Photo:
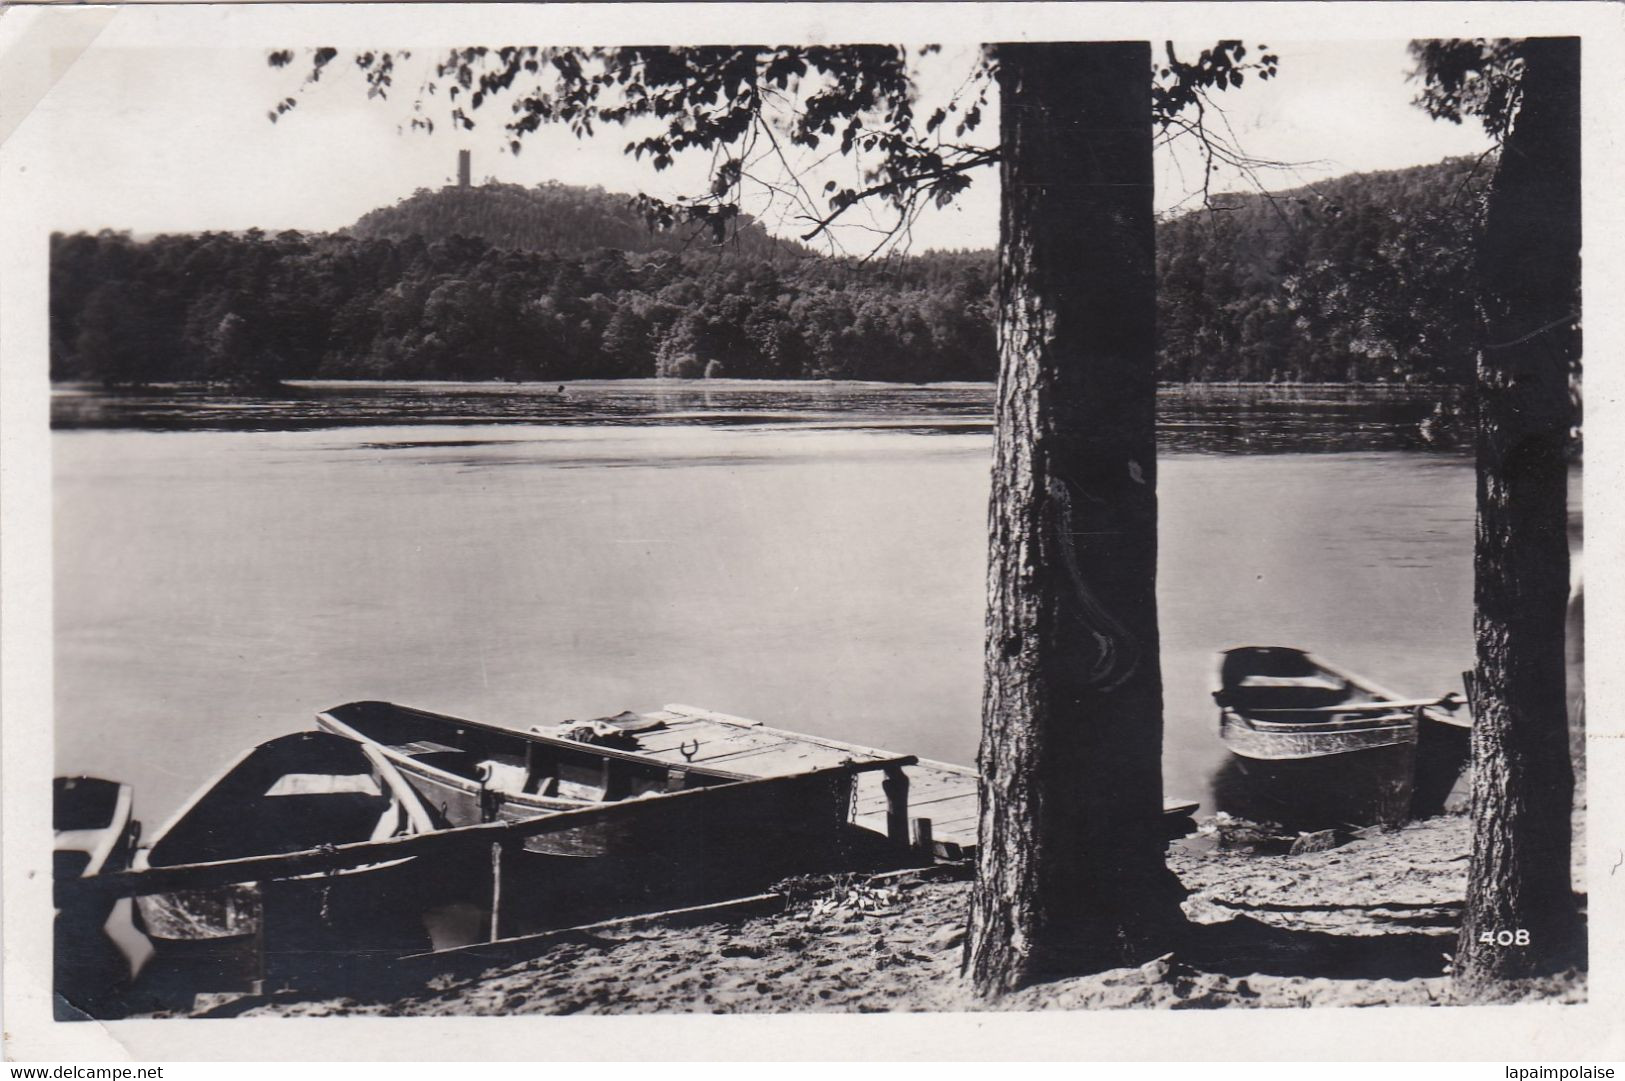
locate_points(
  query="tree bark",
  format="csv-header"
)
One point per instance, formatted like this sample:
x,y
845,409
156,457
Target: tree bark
x,y
1521,919
1071,874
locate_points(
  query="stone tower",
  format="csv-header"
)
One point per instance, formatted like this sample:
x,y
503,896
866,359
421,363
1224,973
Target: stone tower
x,y
465,167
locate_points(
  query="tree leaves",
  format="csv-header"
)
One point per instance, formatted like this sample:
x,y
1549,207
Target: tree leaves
x,y
1476,77
749,104
1177,86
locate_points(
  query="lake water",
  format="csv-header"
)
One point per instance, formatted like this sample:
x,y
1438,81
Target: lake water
x,y
808,555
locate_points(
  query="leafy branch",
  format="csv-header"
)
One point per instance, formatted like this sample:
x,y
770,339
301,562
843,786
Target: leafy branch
x,y
751,105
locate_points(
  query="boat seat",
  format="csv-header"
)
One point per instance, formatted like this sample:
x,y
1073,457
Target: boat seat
x,y
1287,692
463,763
389,823
1292,681
426,746
504,776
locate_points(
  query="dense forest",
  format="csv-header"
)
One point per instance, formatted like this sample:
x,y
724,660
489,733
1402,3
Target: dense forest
x,y
1363,278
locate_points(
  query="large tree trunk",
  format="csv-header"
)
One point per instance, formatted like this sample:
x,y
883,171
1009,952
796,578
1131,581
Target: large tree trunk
x,y
1070,867
1521,918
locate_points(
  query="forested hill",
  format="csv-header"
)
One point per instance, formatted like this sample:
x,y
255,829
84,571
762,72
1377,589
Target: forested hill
x,y
1364,278
554,217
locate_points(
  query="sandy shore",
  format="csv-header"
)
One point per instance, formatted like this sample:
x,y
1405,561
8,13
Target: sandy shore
x,y
1369,922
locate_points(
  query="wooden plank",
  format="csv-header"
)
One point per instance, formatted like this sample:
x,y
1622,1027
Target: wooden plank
x,y
932,765
923,792
746,760
670,737
947,826
698,720
424,746
741,760
839,745
715,749
874,806
942,782
789,752
709,750
703,749
937,783
784,761
726,755
868,803
951,816
712,715
927,789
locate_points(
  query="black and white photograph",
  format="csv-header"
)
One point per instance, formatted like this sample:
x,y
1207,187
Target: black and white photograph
x,y
1064,510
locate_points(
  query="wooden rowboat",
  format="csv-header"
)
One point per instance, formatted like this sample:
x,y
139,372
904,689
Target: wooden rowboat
x,y
1318,745
95,834
94,830
297,793
470,772
647,851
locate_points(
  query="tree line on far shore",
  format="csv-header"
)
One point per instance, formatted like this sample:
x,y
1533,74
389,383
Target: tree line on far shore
x,y
1361,279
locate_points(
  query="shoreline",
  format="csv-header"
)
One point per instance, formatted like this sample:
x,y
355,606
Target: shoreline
x,y
82,386
1367,923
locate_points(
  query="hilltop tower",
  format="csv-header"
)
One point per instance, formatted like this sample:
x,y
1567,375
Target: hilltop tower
x,y
465,167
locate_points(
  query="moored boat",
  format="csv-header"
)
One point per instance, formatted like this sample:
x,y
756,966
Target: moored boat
x,y
470,772
643,851
93,827
95,834
297,793
1318,745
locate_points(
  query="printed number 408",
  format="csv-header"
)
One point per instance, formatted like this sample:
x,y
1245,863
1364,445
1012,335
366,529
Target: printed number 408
x,y
1520,937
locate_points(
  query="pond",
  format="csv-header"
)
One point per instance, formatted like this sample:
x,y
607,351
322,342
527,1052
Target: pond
x,y
811,556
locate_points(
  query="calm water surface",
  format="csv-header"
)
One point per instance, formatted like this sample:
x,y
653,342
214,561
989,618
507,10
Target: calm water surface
x,y
809,556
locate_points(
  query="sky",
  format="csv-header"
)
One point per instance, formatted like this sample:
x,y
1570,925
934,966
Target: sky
x,y
168,132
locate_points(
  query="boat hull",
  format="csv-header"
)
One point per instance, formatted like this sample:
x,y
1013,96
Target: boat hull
x,y
1313,745
311,931
628,835
652,853
94,834
1443,750
468,773
293,794
643,851
1321,780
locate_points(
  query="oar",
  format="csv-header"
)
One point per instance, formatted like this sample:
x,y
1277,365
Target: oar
x,y
1450,701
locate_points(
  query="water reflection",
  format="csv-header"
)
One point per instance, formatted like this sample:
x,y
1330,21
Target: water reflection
x,y
1214,419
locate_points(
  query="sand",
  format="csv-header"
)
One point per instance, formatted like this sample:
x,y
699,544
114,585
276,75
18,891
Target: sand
x,y
1369,922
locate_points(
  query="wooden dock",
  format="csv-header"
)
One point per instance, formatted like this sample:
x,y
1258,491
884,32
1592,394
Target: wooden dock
x,y
941,796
